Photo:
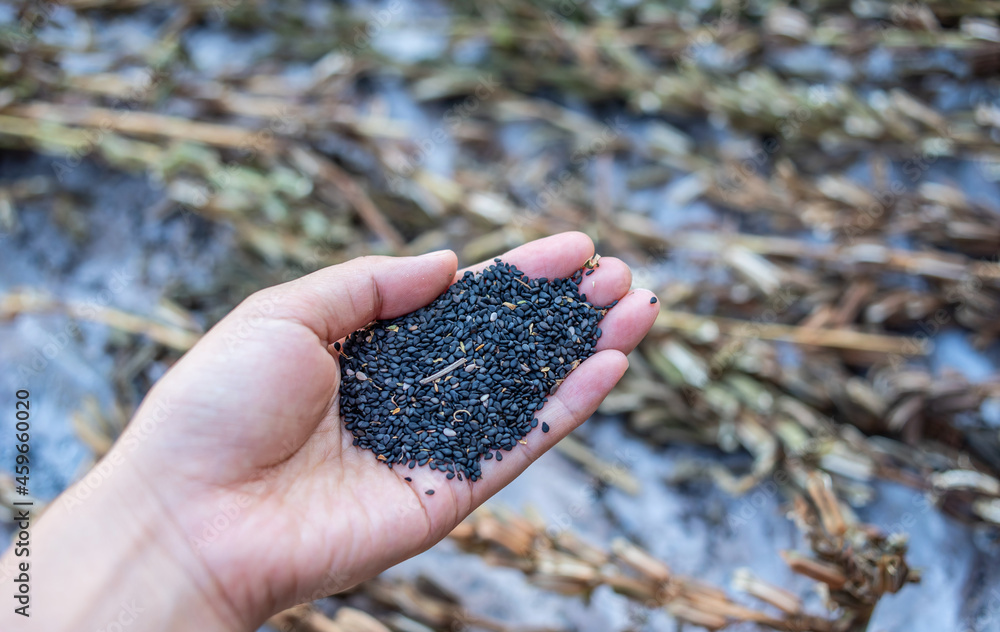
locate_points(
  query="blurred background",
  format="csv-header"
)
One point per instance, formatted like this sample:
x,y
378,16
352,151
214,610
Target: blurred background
x,y
809,439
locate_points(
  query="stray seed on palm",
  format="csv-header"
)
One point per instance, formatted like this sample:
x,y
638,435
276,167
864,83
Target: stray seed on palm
x,y
429,492
545,427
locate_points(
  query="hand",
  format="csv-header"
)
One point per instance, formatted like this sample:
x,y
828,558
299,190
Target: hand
x,y
259,499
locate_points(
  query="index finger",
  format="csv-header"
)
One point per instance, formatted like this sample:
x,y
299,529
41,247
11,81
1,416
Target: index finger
x,y
550,257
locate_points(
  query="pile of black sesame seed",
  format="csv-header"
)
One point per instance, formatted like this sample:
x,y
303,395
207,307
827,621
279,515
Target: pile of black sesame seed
x,y
461,379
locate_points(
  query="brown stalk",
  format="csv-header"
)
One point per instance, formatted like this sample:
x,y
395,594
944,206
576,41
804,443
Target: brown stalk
x,y
320,167
143,124
30,302
669,320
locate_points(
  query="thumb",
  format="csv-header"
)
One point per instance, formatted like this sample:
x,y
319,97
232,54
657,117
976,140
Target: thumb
x,y
339,299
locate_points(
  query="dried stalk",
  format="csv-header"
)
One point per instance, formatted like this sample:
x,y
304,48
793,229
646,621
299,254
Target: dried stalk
x,y
858,574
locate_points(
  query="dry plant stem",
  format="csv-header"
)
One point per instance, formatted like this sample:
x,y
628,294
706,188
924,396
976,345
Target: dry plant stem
x,y
934,265
835,338
142,124
320,167
857,565
563,563
306,619
422,602
616,474
445,371
24,302
811,420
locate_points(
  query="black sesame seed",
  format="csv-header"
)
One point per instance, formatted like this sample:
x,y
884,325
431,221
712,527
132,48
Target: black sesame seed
x,y
652,300
429,492
336,346
545,427
408,479
463,378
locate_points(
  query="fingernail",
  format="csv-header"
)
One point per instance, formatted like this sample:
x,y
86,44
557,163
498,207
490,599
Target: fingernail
x,y
436,253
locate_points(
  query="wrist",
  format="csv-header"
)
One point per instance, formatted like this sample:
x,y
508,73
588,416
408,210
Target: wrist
x,y
107,555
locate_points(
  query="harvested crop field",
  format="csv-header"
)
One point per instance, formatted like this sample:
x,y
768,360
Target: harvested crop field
x,y
808,439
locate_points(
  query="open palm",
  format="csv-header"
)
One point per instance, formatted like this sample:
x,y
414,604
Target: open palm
x,y
265,485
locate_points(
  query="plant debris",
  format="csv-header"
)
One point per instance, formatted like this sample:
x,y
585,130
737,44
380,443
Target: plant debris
x,y
840,162
855,564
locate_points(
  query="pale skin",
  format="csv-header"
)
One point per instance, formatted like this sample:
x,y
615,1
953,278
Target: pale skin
x,y
235,492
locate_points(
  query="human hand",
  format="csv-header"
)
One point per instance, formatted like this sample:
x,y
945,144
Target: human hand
x,y
244,475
